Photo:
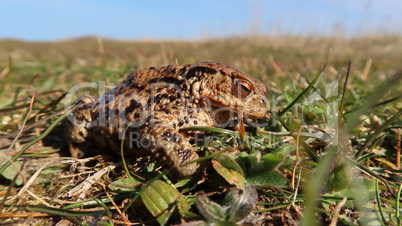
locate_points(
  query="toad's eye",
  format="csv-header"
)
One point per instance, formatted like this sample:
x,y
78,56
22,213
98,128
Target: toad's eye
x,y
243,88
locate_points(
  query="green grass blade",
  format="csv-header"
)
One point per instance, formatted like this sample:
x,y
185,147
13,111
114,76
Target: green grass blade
x,y
22,126
311,153
380,209
377,132
353,119
210,129
56,211
44,134
372,173
397,203
302,93
314,185
341,108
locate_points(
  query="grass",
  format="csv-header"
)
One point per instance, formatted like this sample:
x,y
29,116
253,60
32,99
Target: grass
x,y
330,153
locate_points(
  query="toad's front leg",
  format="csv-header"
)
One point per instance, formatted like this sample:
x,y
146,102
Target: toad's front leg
x,y
169,147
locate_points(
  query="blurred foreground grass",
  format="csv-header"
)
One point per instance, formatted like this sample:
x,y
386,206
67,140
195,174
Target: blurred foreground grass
x,y
361,121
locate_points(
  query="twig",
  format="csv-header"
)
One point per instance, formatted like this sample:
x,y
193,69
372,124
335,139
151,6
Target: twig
x,y
25,215
336,212
377,132
36,123
81,189
101,51
366,69
4,73
277,69
38,198
297,157
398,150
22,127
31,180
122,214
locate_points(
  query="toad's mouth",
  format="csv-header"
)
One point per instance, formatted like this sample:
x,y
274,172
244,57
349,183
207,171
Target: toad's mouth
x,y
250,112
253,111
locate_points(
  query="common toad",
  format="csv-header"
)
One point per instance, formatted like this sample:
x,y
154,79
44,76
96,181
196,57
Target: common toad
x,y
156,103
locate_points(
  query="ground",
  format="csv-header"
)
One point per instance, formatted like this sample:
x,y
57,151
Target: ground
x,y
329,152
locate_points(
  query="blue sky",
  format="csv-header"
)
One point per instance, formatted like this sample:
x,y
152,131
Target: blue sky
x,y
43,20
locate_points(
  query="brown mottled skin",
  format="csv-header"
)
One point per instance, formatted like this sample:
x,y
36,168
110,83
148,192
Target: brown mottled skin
x,y
160,101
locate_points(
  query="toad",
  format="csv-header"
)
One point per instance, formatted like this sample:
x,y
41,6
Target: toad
x,y
151,105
